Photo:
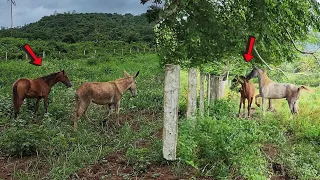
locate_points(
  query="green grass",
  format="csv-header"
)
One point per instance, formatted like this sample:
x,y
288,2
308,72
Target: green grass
x,y
219,146
51,135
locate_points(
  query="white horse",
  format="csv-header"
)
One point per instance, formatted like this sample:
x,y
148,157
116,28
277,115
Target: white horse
x,y
272,90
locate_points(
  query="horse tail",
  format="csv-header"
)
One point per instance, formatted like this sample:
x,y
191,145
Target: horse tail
x,y
305,88
15,94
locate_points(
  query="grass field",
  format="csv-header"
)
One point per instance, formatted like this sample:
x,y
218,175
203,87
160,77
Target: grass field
x,y
220,146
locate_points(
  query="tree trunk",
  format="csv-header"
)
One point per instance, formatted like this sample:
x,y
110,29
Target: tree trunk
x,y
192,94
201,103
171,106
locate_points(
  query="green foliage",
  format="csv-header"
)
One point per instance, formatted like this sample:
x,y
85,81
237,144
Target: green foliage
x,y
51,135
192,33
225,147
98,27
62,50
22,141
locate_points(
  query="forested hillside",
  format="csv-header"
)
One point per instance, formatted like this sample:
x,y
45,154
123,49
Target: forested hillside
x,y
71,28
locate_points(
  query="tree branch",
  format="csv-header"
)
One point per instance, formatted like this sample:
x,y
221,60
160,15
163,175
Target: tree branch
x,y
303,52
267,64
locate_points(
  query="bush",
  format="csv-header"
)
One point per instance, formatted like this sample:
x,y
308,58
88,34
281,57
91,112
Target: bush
x,y
22,141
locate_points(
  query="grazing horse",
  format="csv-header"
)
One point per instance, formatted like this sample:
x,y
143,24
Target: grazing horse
x,y
36,88
273,90
103,93
247,91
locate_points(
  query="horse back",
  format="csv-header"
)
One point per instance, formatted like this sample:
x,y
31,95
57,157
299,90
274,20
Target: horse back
x,y
248,89
31,88
99,92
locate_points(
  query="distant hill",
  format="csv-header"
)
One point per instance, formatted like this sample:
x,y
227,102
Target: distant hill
x,y
96,27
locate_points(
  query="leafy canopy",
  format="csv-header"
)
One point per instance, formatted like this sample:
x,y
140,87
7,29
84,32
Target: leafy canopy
x,y
195,32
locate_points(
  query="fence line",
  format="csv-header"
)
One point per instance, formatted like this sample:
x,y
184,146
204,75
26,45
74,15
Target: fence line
x,y
17,55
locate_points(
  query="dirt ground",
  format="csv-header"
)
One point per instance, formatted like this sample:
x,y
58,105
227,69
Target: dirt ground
x,y
114,165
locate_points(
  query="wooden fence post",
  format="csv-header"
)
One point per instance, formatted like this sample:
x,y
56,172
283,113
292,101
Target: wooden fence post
x,y
95,51
6,56
43,54
192,94
171,106
84,52
114,51
201,103
130,50
26,56
122,52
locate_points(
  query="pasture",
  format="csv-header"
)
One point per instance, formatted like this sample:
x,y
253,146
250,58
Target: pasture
x,y
219,146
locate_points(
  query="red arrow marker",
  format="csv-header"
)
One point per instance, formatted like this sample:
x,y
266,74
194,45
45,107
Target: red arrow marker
x,y
34,59
247,55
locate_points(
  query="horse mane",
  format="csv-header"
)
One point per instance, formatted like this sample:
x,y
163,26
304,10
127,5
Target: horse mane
x,y
47,77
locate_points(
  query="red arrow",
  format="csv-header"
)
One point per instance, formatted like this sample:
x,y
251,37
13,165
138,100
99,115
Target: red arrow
x,y
247,55
34,59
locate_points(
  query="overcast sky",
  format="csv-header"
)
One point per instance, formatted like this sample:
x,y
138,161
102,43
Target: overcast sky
x,y
28,11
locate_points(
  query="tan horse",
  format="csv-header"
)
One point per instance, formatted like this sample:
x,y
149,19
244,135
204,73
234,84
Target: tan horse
x,y
103,93
273,90
36,88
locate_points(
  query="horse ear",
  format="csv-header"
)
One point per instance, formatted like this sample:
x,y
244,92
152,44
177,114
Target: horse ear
x,y
126,74
242,79
137,74
63,71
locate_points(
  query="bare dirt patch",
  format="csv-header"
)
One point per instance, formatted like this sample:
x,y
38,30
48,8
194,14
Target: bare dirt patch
x,y
115,166
24,165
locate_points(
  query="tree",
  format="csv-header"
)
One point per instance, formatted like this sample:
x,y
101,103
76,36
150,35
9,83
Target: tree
x,y
195,32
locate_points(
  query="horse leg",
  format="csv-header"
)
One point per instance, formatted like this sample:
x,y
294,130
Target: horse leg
x,y
263,106
36,106
117,109
81,108
240,107
45,103
256,99
271,108
296,107
249,105
244,106
86,115
109,109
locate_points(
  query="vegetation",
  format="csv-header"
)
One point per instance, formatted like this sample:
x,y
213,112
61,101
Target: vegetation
x,y
192,33
51,137
220,146
80,27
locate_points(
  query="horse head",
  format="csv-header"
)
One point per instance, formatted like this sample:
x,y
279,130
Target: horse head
x,y
64,78
132,86
255,73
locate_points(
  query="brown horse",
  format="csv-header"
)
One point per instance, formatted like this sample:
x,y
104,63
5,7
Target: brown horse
x,y
247,91
273,90
36,88
103,93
